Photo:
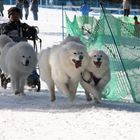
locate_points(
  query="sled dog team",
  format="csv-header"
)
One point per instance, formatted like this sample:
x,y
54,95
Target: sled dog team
x,y
63,66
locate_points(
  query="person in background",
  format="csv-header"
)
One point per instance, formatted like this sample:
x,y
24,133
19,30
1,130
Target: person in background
x,y
19,5
15,29
136,20
85,9
23,4
136,27
1,7
26,5
34,9
126,7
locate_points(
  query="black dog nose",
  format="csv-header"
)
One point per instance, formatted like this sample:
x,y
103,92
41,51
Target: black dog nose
x,y
27,63
99,59
81,57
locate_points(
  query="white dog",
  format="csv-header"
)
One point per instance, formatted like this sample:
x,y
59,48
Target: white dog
x,y
97,75
61,65
17,60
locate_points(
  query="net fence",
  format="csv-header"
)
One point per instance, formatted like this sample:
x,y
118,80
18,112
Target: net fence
x,y
120,39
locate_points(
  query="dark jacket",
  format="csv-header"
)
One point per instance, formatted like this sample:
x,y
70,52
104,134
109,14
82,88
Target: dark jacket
x,y
26,3
17,31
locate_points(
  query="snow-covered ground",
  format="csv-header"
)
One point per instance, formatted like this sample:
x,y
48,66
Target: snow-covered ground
x,y
34,117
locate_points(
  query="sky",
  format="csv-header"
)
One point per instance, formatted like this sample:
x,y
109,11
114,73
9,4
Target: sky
x,y
35,117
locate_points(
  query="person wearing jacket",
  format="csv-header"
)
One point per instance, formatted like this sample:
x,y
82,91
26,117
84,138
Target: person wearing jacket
x,y
19,4
136,27
85,9
1,7
15,28
126,7
23,4
34,9
26,5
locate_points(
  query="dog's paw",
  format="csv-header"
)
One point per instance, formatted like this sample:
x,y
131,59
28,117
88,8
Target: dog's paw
x,y
88,96
97,99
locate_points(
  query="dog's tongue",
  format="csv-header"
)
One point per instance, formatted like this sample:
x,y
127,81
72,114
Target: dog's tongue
x,y
78,63
98,64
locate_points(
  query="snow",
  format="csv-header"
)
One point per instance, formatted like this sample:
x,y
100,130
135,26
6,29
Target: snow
x,y
34,117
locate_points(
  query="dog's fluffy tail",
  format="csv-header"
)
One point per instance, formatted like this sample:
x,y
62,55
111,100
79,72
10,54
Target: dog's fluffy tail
x,y
4,39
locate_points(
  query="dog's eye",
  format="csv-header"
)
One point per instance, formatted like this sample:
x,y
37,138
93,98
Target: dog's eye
x,y
29,56
23,56
101,56
81,52
95,55
74,53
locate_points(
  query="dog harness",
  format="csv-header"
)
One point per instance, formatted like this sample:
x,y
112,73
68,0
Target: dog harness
x,y
92,77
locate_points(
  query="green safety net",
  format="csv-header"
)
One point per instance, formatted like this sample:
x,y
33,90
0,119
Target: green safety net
x,y
119,38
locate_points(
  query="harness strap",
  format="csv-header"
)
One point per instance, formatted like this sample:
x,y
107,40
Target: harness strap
x,y
92,77
87,81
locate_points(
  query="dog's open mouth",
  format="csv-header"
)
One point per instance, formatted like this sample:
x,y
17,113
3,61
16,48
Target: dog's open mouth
x,y
78,63
97,63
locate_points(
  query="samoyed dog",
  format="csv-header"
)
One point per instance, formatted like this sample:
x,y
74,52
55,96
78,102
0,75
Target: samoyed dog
x,y
96,76
17,60
61,65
